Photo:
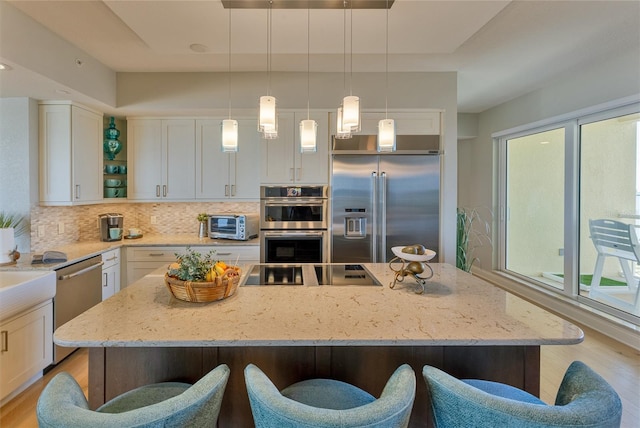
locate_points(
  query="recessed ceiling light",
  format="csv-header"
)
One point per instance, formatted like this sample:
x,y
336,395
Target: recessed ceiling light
x,y
4,66
62,92
197,47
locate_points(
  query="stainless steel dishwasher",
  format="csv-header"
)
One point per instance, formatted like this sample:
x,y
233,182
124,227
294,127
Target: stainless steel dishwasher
x,y
78,288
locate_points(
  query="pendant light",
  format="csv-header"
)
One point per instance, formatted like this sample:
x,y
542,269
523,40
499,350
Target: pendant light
x,y
229,126
268,117
342,132
351,103
308,127
386,127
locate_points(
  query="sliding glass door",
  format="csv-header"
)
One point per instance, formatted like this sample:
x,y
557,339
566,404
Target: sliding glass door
x,y
570,208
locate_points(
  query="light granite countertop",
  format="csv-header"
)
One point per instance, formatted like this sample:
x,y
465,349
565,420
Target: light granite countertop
x,y
456,309
83,250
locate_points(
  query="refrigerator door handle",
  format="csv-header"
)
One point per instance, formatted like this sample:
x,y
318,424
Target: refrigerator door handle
x,y
374,217
383,220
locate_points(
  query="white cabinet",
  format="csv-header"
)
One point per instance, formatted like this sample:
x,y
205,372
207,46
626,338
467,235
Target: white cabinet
x,y
70,140
407,123
223,176
110,273
161,159
142,261
282,162
26,346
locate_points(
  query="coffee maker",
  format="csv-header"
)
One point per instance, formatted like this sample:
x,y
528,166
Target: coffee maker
x,y
111,226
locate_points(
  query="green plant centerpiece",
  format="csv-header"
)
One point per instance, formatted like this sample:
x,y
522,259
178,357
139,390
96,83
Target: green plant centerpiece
x,y
197,277
473,231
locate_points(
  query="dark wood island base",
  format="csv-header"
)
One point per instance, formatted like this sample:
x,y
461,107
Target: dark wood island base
x,y
115,370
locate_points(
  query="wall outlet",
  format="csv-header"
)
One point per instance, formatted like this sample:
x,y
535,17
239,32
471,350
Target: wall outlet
x,y
40,231
154,220
561,252
60,228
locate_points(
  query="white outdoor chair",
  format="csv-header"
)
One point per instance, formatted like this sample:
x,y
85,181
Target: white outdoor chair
x,y
615,239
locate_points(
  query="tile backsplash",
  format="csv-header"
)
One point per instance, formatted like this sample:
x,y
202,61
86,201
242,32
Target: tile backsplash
x,y
66,225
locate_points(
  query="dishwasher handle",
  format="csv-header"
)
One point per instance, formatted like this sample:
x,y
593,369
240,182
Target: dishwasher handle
x,y
80,272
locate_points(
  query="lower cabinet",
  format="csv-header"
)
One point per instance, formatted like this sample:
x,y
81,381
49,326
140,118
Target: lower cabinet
x,y
110,273
142,261
26,346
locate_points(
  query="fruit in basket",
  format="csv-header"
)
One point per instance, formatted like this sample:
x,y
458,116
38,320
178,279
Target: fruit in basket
x,y
414,249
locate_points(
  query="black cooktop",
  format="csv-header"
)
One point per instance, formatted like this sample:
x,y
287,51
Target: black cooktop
x,y
309,274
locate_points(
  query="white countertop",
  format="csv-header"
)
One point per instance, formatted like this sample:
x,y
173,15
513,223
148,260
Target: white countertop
x,y
82,250
456,309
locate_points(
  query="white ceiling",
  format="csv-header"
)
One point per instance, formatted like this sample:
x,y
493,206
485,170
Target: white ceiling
x,y
500,49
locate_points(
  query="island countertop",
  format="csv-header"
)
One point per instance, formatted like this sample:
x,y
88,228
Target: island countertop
x,y
456,308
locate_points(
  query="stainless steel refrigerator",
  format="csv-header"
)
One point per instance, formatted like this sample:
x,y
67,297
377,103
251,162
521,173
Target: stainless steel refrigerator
x,y
384,200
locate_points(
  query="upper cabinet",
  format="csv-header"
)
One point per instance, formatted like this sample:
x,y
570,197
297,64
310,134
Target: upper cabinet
x,y
223,175
161,159
282,162
70,140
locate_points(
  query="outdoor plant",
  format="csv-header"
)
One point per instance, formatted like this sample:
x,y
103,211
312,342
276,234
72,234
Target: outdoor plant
x,y
472,232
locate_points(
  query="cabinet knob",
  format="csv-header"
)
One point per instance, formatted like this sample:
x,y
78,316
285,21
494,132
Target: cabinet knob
x,y
77,191
158,190
164,190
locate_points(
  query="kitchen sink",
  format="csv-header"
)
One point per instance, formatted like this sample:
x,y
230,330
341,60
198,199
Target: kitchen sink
x,y
309,274
22,290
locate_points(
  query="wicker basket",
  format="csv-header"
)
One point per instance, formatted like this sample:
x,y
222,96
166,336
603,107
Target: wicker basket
x,y
191,291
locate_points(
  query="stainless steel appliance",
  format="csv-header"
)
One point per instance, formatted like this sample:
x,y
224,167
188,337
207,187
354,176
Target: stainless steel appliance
x,y
111,226
384,200
240,227
293,224
309,275
78,288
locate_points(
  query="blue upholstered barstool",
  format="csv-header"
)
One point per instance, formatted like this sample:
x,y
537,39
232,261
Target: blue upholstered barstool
x,y
168,404
584,399
330,403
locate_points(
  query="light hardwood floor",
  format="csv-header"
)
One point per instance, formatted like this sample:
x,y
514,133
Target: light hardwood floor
x,y
617,363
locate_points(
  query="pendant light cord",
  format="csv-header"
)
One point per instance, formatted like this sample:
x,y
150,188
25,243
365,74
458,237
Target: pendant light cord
x,y
386,69
351,50
269,26
229,68
308,56
344,46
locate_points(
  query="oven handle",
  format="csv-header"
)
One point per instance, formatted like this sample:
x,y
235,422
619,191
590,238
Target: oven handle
x,y
285,234
294,202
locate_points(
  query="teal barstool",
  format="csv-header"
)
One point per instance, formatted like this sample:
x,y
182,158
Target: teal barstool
x,y
584,399
169,404
330,403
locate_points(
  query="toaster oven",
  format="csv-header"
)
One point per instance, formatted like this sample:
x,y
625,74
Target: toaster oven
x,y
241,227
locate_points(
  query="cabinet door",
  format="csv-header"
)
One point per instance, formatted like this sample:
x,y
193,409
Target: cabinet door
x,y
243,176
312,168
110,273
27,347
144,155
54,130
277,155
179,151
212,164
86,140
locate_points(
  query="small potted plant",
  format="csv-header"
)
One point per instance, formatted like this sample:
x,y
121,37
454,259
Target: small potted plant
x,y
11,225
202,218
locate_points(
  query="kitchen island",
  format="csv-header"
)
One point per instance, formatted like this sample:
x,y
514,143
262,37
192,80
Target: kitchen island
x,y
358,334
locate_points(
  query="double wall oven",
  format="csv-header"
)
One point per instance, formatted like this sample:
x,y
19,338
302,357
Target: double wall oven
x,y
293,224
